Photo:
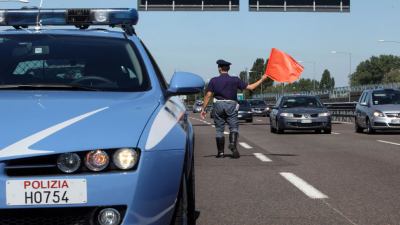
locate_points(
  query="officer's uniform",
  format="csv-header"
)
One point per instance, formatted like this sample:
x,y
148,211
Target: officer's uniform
x,y
224,87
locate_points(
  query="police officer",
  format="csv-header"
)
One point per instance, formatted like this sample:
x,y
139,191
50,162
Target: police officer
x,y
224,89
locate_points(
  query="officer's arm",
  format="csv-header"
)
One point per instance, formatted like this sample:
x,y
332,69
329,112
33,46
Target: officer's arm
x,y
256,84
207,98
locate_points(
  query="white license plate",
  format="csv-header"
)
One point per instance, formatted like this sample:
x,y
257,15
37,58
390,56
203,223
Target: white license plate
x,y
46,192
396,121
306,121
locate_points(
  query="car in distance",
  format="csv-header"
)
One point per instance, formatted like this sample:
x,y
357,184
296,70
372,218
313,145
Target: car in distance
x,y
197,106
259,107
90,131
244,112
300,113
378,110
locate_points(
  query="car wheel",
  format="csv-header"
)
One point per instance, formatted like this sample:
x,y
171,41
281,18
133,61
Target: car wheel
x,y
249,120
278,129
328,131
318,131
184,211
271,127
370,130
357,128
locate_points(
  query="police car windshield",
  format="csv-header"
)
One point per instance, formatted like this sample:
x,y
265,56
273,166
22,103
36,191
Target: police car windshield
x,y
304,102
39,60
386,97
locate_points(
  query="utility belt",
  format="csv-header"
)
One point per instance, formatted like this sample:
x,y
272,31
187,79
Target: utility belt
x,y
228,101
225,100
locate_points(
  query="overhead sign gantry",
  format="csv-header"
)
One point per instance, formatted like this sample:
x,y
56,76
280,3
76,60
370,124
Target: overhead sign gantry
x,y
188,5
300,5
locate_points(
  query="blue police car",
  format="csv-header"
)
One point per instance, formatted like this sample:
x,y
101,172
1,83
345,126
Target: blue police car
x,y
90,132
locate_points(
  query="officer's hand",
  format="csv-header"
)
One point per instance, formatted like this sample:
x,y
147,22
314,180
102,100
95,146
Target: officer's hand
x,y
203,114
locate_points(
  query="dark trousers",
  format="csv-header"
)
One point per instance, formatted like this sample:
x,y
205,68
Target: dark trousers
x,y
225,112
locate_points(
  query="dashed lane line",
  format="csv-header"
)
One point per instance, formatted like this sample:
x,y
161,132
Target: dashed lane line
x,y
213,126
303,186
335,133
262,157
388,142
245,145
226,132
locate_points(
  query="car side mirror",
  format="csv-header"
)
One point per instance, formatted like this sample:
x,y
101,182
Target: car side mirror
x,y
183,83
364,103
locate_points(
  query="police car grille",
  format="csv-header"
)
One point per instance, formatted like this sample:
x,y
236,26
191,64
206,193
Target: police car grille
x,y
60,216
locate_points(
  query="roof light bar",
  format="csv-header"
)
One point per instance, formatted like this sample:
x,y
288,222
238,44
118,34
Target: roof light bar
x,y
77,17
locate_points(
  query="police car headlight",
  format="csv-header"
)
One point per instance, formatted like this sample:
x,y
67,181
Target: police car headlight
x,y
287,114
125,158
2,17
69,162
97,160
101,16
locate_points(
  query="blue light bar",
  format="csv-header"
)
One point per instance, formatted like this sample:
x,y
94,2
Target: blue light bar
x,y
62,17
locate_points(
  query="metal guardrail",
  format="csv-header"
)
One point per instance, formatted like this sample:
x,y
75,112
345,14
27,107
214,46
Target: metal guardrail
x,y
342,111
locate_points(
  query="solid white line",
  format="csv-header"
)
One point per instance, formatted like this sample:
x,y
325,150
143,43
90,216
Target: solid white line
x,y
388,142
226,132
303,186
245,145
262,157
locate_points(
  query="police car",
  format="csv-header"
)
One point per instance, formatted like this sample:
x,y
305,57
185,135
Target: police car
x,y
90,132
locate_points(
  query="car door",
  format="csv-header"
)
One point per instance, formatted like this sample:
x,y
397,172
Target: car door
x,y
274,112
364,110
358,108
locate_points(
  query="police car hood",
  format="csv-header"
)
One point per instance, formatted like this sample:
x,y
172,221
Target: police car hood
x,y
46,122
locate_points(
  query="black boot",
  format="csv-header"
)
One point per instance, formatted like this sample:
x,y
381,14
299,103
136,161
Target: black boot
x,y
233,137
220,146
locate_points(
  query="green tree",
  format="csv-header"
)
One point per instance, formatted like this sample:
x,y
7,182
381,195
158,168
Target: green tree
x,y
255,74
327,82
243,76
392,77
374,70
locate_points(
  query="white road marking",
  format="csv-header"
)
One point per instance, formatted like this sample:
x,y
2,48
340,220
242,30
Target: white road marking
x,y
335,133
226,132
245,145
262,157
213,126
259,120
303,186
388,142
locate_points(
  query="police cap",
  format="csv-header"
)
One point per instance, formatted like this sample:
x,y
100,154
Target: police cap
x,y
222,62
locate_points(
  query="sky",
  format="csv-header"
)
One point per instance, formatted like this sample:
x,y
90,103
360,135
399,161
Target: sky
x,y
193,41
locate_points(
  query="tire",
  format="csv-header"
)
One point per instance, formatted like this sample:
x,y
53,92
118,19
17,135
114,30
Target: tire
x,y
249,121
370,130
278,129
318,131
328,131
357,128
185,213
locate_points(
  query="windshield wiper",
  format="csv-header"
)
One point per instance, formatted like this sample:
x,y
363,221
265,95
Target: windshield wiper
x,y
47,87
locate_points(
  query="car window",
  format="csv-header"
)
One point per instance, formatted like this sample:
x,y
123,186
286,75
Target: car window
x,y
362,97
293,102
386,97
106,64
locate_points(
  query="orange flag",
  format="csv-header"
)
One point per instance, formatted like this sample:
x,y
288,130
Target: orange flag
x,y
282,67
